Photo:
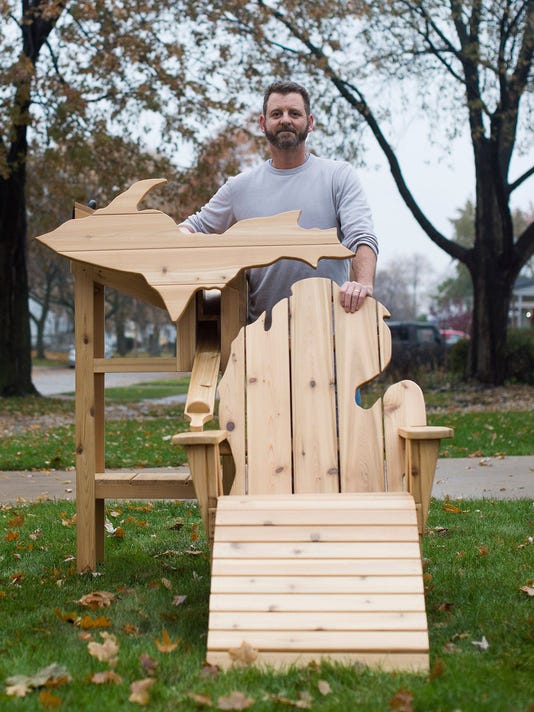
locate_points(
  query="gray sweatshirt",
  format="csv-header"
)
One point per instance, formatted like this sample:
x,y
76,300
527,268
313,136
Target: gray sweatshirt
x,y
328,193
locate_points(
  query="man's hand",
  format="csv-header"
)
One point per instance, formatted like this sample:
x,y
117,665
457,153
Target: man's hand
x,y
352,294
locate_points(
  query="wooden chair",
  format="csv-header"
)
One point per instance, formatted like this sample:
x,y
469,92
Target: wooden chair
x,y
316,541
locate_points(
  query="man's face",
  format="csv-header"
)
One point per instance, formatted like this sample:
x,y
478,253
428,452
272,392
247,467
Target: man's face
x,y
285,123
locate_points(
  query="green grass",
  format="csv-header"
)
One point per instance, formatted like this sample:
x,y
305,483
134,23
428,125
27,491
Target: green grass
x,y
143,440
145,391
478,556
487,434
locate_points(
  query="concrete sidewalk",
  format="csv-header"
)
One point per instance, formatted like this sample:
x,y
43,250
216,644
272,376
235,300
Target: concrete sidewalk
x,y
467,478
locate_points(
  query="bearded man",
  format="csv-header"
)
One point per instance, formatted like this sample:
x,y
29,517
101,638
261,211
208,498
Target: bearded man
x,y
328,193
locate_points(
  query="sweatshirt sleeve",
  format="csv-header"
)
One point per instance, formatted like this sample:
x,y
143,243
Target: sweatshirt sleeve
x,y
354,213
216,216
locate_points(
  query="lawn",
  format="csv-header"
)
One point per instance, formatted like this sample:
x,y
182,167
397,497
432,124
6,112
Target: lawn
x,y
141,437
478,558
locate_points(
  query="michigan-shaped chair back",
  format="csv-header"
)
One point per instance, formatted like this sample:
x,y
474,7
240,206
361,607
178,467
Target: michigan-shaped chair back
x,y
288,399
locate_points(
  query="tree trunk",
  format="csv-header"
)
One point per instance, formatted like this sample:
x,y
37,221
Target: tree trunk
x,y
15,338
493,266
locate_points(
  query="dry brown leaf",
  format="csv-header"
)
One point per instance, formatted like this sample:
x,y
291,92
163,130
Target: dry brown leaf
x,y
108,651
234,701
166,645
48,700
140,691
148,663
324,687
16,521
96,599
20,689
209,672
437,669
482,550
453,509
303,703
167,584
130,629
87,622
245,654
402,701
200,699
106,677
51,676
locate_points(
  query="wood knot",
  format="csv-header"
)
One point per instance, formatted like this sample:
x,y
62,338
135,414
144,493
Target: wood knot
x,y
313,383
230,426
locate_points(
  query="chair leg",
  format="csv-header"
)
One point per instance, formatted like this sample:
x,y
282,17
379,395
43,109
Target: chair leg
x,y
205,467
99,529
421,460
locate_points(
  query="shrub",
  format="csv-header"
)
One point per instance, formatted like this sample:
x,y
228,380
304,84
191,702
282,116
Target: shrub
x,y
457,358
520,355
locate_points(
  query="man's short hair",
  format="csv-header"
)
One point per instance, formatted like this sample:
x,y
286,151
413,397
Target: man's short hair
x,y
285,87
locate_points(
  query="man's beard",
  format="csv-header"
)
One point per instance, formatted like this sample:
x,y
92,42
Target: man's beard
x,y
287,137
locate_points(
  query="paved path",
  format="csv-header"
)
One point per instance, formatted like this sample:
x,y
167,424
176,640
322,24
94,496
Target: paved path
x,y
488,478
491,478
58,381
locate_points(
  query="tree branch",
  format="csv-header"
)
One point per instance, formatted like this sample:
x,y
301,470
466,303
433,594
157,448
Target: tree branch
x,y
356,99
522,178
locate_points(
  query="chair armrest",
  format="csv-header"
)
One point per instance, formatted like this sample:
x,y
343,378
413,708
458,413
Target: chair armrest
x,y
425,432
200,437
421,456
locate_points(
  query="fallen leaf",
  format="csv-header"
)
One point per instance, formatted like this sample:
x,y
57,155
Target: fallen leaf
x,y
48,700
106,677
108,651
20,689
209,672
529,590
166,645
11,536
402,701
166,583
437,669
482,550
140,691
481,644
96,599
178,600
86,622
453,509
130,629
200,699
52,675
16,521
148,663
244,654
324,687
287,702
234,701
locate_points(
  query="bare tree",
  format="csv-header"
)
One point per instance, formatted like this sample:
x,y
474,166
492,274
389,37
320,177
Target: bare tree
x,y
471,63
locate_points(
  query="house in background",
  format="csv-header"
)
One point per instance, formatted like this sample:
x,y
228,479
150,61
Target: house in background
x,y
522,303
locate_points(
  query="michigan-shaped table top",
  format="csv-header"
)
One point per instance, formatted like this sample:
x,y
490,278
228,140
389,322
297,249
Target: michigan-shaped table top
x,y
121,239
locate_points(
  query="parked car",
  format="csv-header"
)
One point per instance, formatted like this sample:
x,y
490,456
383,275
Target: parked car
x,y
108,353
452,336
415,344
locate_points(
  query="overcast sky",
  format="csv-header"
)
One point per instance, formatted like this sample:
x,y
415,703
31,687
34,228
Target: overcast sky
x,y
440,183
